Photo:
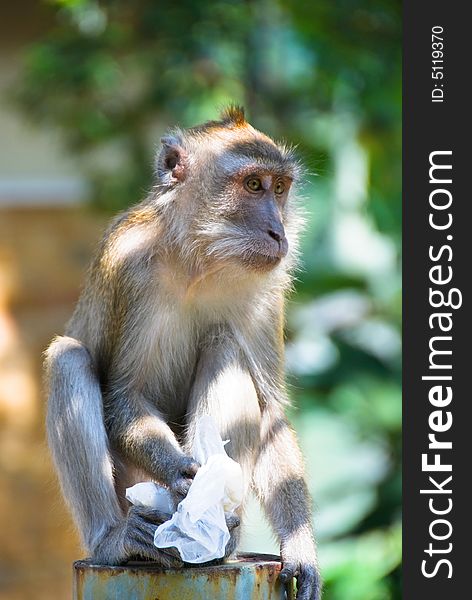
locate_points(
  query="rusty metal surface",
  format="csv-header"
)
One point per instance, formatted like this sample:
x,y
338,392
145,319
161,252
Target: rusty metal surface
x,y
248,577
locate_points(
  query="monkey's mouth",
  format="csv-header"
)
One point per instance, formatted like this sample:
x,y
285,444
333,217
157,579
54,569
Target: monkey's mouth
x,y
266,255
257,252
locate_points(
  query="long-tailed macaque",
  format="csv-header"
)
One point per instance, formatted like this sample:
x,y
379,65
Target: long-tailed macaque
x,y
182,315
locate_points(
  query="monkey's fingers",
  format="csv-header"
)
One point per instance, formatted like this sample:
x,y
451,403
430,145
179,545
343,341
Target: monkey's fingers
x,y
181,487
165,559
141,527
172,552
232,521
184,478
143,546
308,583
308,580
190,468
288,572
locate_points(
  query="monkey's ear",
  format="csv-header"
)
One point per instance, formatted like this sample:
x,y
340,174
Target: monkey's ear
x,y
171,161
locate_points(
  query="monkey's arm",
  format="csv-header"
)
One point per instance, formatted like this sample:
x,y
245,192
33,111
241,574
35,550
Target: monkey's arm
x,y
262,442
139,431
279,482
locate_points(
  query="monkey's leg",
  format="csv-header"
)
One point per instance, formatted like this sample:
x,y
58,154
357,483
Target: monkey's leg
x,y
223,388
79,446
279,481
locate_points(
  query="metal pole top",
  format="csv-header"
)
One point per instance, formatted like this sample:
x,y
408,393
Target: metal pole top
x,y
246,577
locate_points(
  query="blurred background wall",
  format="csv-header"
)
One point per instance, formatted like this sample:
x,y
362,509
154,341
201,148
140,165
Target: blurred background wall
x,y
86,89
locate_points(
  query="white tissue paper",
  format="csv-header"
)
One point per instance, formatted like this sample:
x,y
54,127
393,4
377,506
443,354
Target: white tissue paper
x,y
198,527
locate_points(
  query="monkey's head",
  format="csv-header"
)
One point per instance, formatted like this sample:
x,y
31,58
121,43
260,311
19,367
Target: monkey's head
x,y
225,193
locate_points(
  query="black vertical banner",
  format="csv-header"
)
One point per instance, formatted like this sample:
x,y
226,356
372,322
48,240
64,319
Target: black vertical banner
x,y
437,263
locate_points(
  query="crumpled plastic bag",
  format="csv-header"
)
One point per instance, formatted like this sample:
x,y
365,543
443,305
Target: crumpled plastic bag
x,y
198,527
151,495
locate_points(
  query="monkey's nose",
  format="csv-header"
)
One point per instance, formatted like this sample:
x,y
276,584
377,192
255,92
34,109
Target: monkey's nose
x,y
276,235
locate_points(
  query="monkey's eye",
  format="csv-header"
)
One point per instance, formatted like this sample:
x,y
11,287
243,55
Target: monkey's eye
x,y
279,188
254,184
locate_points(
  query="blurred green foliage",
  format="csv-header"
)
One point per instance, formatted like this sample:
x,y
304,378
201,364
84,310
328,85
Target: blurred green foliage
x,y
326,76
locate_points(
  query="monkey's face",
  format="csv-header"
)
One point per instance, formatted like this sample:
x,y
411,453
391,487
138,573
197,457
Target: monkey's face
x,y
243,223
252,208
232,186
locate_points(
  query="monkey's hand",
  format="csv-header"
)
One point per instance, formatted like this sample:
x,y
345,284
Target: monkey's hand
x,y
299,561
181,476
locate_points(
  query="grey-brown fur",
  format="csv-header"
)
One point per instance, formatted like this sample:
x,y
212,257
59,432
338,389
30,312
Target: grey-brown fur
x,y
182,315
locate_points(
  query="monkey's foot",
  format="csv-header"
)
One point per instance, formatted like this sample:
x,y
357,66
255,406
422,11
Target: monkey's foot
x,y
141,525
232,523
308,579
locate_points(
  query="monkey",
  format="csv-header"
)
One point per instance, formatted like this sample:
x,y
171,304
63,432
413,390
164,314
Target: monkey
x,y
182,315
